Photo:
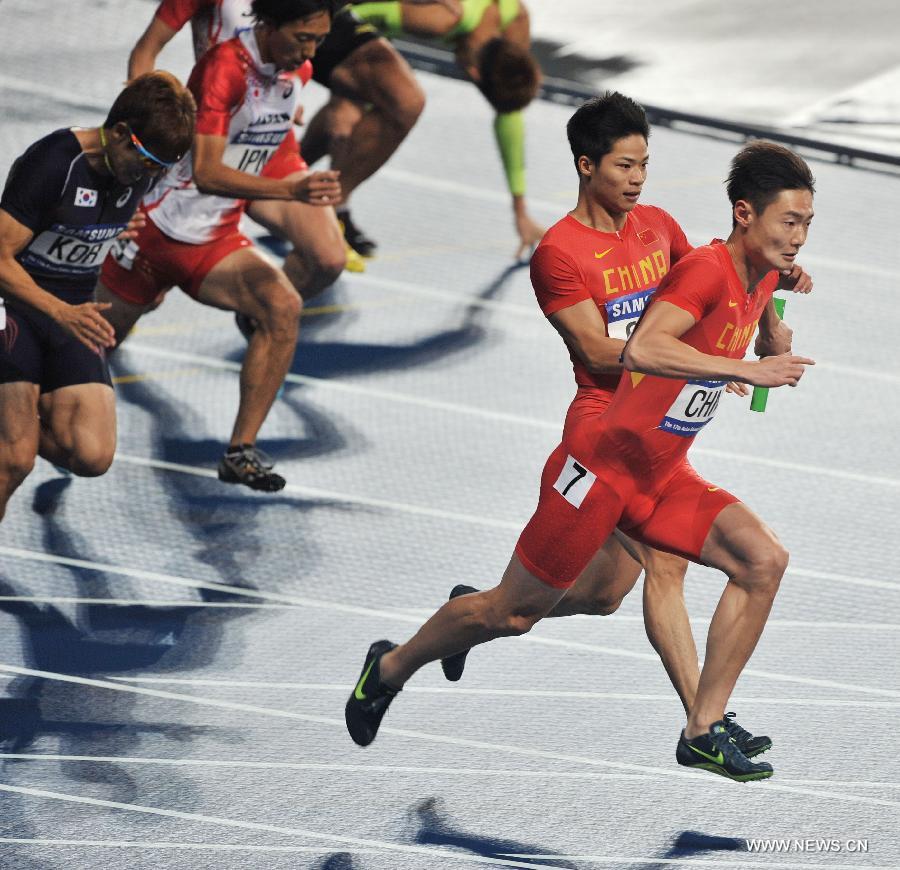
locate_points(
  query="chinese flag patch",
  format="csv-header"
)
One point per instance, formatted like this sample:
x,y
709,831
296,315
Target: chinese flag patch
x,y
648,237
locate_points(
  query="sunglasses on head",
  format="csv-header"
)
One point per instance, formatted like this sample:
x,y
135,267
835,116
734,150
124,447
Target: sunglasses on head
x,y
148,158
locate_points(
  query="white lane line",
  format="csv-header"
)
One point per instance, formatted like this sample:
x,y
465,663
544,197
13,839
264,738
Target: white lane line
x,y
618,860
211,847
499,416
747,672
259,826
364,769
139,602
818,470
466,300
369,769
353,389
57,96
511,693
857,372
809,574
473,519
157,577
456,188
328,495
624,860
420,613
704,623
694,777
337,607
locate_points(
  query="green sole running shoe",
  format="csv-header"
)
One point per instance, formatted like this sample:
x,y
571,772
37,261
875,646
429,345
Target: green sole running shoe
x,y
751,745
453,666
370,699
717,753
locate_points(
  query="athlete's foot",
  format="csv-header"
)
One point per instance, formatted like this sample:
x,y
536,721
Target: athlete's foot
x,y
370,699
453,666
356,238
355,263
248,465
749,745
716,752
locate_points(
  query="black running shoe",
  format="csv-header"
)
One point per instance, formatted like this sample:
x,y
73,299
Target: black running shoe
x,y
247,464
369,700
356,238
246,325
453,666
748,744
717,753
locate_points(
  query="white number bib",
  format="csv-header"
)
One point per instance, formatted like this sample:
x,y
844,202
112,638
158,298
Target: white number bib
x,y
574,482
693,408
623,313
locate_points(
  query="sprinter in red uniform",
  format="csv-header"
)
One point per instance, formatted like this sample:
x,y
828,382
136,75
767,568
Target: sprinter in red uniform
x,y
627,467
593,274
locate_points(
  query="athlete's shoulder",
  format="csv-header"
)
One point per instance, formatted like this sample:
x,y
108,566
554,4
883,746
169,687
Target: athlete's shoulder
x,y
59,143
700,270
51,155
223,71
176,13
654,216
703,257
562,229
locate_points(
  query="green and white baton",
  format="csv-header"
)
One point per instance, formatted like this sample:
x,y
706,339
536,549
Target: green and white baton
x,y
761,394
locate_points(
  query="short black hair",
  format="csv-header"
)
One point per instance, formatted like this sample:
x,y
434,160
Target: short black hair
x,y
761,170
281,12
602,121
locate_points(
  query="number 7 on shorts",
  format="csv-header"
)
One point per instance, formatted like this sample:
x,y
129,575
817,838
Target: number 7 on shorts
x,y
574,482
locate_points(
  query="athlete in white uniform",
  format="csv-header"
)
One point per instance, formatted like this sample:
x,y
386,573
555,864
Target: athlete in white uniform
x,y
318,254
246,91
355,63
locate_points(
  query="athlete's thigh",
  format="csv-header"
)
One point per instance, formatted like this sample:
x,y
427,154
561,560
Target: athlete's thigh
x,y
121,314
522,593
375,73
578,507
80,411
309,228
683,510
19,422
241,281
657,564
737,538
610,575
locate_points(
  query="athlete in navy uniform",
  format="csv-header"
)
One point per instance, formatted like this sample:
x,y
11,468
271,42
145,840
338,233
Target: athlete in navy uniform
x,y
66,200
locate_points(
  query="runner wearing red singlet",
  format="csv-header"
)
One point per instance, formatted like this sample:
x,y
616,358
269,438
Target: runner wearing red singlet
x,y
627,467
246,100
593,274
362,70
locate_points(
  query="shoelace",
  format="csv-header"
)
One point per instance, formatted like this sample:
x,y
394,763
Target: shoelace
x,y
734,730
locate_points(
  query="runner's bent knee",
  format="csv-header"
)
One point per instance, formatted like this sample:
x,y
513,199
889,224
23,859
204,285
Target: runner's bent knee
x,y
17,460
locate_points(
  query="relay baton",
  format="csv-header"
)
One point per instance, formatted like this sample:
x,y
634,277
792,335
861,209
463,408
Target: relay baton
x,y
761,394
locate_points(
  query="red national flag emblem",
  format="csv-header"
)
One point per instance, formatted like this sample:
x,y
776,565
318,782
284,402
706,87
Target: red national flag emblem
x,y
648,237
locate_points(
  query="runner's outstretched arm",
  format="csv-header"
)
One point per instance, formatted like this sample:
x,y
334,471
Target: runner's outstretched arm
x,y
143,56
